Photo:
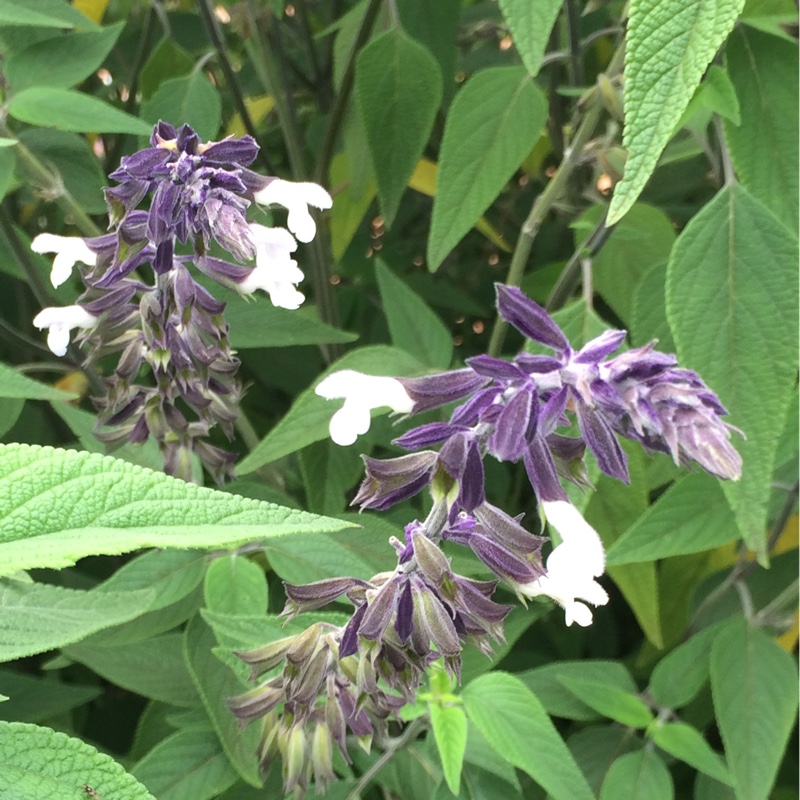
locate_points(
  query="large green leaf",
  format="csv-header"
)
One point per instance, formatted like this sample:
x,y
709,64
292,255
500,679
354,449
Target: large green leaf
x,y
596,747
530,25
188,764
687,743
609,701
36,617
15,385
691,516
493,123
41,764
643,238
412,324
189,99
516,725
398,89
57,506
234,585
764,146
69,110
309,417
649,314
33,699
668,48
638,776
449,724
42,13
62,61
754,686
732,308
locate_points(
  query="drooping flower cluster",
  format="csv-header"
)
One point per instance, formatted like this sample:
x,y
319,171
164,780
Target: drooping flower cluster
x,y
546,410
141,299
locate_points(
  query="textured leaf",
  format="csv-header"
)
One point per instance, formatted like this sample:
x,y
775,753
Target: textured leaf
x,y
37,617
189,99
413,326
41,764
754,686
511,718
530,25
668,48
14,384
188,764
691,516
764,146
545,682
308,419
679,676
687,743
638,776
609,701
449,725
398,89
69,110
643,238
37,699
153,668
732,308
57,506
216,682
62,61
493,123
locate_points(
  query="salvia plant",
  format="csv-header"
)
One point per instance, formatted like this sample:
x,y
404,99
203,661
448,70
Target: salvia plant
x,y
524,528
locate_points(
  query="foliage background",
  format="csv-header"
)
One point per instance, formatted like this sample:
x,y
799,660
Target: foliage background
x,y
464,143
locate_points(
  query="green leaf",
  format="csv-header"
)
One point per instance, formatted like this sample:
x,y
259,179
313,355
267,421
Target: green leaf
x,y
189,99
61,61
349,208
10,410
545,682
716,94
449,725
413,326
610,702
168,60
38,699
668,48
14,384
511,718
153,668
329,472
680,675
764,146
188,764
649,314
235,585
480,754
308,419
691,516
8,161
612,509
530,25
37,617
215,682
398,88
57,506
257,323
69,110
645,237
754,686
732,308
493,123
41,764
687,743
43,14
70,156
638,776
596,748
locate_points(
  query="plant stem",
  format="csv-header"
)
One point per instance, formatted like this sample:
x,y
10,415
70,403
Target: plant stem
x,y
407,737
547,199
211,24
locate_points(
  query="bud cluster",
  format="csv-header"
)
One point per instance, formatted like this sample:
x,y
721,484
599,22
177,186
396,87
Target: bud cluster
x,y
175,378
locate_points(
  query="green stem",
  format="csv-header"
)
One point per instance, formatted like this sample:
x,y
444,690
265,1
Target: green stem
x,y
547,199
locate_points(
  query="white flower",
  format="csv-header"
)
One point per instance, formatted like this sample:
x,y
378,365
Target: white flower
x,y
275,271
573,565
68,250
296,197
361,394
60,321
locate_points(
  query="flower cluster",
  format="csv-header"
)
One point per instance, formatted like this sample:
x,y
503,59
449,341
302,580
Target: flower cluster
x,y
169,325
546,410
